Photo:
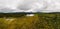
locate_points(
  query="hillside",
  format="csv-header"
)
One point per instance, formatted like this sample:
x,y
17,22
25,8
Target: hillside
x,y
38,21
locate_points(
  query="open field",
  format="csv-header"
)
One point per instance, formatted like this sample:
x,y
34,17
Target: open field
x,y
38,21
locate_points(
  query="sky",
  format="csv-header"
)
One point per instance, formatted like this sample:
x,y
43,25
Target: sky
x,y
45,6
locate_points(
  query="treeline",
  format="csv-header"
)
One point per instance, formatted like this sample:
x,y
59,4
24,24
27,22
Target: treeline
x,y
11,14
17,14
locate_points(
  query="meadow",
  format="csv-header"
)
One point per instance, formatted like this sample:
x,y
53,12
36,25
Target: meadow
x,y
38,21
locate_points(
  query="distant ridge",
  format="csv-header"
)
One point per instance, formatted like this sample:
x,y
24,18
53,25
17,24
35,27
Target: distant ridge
x,y
26,12
19,14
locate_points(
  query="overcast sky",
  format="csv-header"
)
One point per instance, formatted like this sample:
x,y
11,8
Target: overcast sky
x,y
29,6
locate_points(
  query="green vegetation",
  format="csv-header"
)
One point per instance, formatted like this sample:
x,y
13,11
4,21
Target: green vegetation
x,y
38,21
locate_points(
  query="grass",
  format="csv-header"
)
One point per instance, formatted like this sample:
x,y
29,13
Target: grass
x,y
38,21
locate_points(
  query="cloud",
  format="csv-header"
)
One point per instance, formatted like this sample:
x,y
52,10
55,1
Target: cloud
x,y
29,6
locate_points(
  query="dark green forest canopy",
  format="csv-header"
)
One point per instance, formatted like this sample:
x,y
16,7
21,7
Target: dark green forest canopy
x,y
17,14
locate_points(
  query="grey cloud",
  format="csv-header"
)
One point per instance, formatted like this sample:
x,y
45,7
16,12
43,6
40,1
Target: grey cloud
x,y
29,6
